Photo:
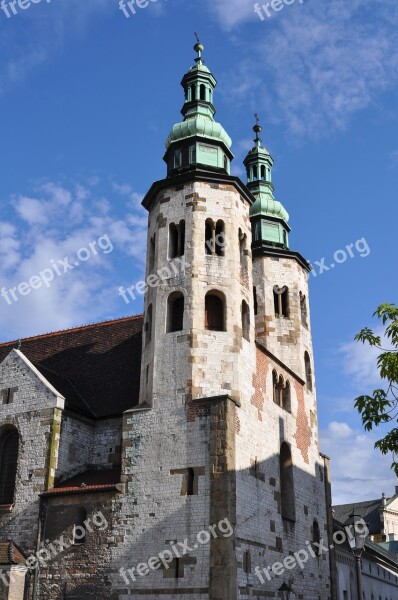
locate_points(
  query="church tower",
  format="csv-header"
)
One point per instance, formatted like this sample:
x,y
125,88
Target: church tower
x,y
222,450
199,316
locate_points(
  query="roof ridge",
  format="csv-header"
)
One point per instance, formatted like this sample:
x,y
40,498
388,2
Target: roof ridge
x,y
70,329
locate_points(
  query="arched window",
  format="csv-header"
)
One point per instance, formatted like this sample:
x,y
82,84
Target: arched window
x,y
288,510
255,173
9,443
175,312
316,537
192,93
209,242
280,390
176,239
202,92
215,311
303,309
220,238
79,528
245,321
173,240
243,253
214,238
148,325
275,387
281,301
308,371
286,403
263,172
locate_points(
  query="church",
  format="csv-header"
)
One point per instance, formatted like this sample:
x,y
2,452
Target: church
x,y
175,454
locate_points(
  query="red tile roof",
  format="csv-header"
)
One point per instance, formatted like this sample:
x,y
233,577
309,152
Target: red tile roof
x,y
89,481
10,554
96,367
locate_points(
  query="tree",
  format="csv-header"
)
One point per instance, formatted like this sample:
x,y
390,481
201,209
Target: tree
x,y
382,406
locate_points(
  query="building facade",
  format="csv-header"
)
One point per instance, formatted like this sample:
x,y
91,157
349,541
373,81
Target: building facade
x,y
175,454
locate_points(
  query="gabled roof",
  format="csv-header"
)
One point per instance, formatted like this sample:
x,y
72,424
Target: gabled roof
x,y
95,367
369,510
10,554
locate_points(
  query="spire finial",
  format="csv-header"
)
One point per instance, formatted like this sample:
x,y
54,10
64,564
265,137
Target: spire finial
x,y
257,128
198,47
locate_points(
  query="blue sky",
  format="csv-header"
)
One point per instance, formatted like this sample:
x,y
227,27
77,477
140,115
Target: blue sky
x,y
88,98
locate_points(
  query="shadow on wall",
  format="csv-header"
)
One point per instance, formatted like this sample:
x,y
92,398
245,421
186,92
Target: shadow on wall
x,y
175,543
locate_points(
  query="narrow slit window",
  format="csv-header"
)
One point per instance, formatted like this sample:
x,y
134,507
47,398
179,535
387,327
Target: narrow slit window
x,y
148,325
245,321
308,370
303,310
288,509
255,300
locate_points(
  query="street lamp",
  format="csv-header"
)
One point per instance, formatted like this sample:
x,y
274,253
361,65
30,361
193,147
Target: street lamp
x,y
357,543
284,591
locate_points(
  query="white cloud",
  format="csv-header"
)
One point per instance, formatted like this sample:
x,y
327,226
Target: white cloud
x,y
359,361
55,222
230,13
359,472
319,63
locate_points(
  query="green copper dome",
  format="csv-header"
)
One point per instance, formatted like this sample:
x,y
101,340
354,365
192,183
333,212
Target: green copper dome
x,y
199,125
268,216
198,141
267,205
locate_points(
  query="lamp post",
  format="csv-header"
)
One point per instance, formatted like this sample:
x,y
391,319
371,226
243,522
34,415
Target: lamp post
x,y
284,591
357,543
